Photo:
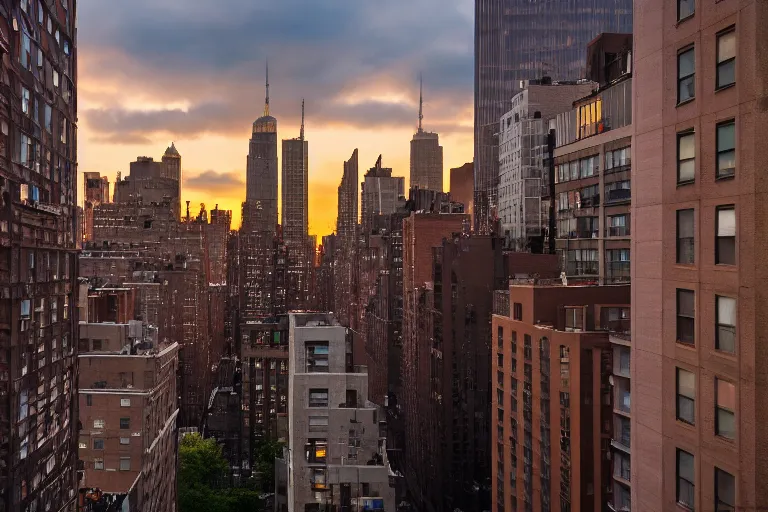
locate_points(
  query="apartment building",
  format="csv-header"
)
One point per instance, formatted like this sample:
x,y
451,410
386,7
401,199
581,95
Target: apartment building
x,y
552,406
592,161
698,215
335,458
128,404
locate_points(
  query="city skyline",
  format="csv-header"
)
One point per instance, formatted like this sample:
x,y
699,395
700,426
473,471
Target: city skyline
x,y
135,99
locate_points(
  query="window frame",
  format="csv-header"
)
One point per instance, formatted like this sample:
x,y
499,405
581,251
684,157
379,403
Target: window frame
x,y
679,239
719,174
678,479
684,51
722,408
678,315
718,502
122,460
719,324
314,405
125,421
680,161
719,64
679,395
687,16
718,237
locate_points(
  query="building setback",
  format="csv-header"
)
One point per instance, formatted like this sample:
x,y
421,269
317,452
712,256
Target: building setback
x,y
128,406
38,267
462,186
518,40
552,365
698,222
335,455
426,157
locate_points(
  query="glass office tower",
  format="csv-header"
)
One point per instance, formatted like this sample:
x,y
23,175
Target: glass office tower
x,y
524,40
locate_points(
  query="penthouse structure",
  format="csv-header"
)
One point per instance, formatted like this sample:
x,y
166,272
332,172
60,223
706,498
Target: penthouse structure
x,y
426,156
151,182
128,405
335,456
553,405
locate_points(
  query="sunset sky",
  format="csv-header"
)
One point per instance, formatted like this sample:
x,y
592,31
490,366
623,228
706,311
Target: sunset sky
x,y
155,71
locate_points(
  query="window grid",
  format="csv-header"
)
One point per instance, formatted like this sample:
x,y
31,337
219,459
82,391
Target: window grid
x,y
686,75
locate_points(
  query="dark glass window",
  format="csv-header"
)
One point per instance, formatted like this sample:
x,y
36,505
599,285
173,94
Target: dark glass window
x,y
685,9
686,488
686,396
725,491
125,423
517,311
725,249
726,58
685,237
726,149
686,75
686,316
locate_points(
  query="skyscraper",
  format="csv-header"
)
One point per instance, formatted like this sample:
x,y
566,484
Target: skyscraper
x,y
522,40
261,172
345,278
426,156
295,219
699,409
381,195
38,224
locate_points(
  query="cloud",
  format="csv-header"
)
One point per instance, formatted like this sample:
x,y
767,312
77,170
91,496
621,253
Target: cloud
x,y
226,184
210,56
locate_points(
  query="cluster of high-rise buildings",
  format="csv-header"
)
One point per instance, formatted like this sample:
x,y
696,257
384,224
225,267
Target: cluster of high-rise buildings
x,y
533,339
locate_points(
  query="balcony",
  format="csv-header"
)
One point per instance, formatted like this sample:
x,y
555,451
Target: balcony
x,y
583,268
621,231
617,272
584,234
620,195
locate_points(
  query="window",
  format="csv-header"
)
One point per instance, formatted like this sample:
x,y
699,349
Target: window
x,y
725,248
517,314
725,335
125,423
685,237
125,463
685,479
25,100
527,347
125,440
318,397
725,417
499,397
317,357
726,58
316,451
25,55
514,342
318,423
125,402
82,445
686,157
500,379
500,360
685,9
96,345
89,400
98,444
686,396
686,76
686,316
726,149
48,126
98,424
500,338
98,463
725,491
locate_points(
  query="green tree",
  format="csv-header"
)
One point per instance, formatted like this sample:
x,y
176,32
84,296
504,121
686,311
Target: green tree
x,y
204,480
264,462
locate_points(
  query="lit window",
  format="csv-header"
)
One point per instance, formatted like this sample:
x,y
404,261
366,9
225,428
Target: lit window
x,y
725,416
725,491
685,237
685,479
686,157
98,463
686,396
726,149
98,424
725,335
125,402
686,316
725,250
726,59
125,440
685,9
686,76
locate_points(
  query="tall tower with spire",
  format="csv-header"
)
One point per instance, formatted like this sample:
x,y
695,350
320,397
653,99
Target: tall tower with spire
x,y
295,217
426,155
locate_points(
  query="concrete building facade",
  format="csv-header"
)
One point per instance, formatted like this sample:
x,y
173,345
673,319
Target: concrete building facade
x,y
698,224
335,456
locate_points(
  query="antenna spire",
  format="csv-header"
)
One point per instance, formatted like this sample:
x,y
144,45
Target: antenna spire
x,y
266,100
421,101
301,136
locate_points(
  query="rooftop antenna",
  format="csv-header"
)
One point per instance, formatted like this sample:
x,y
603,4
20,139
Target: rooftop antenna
x,y
301,135
266,100
421,101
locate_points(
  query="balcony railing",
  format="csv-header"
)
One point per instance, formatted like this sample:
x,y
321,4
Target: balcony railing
x,y
584,234
618,195
617,231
